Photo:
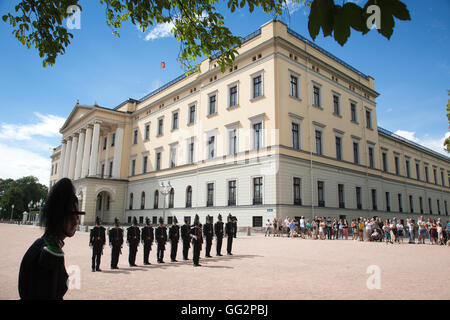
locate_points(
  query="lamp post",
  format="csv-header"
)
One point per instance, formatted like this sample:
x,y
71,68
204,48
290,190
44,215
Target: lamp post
x,y
164,191
12,209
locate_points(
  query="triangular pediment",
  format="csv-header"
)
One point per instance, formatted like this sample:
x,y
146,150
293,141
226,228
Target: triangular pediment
x,y
77,113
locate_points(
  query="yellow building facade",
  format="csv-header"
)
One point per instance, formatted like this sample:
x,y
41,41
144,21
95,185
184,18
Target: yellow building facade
x,y
289,130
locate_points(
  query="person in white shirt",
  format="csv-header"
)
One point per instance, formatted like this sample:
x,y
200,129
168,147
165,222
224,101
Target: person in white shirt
x,y
268,228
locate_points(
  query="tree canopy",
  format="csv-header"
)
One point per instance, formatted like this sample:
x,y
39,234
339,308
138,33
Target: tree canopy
x,y
198,26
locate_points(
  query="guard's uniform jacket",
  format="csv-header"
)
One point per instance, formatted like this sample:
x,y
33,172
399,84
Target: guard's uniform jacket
x,y
218,231
147,238
42,272
229,231
196,230
208,233
161,239
115,236
133,236
185,236
97,240
174,236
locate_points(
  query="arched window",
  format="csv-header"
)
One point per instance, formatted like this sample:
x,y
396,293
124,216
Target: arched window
x,y
142,200
171,197
131,201
156,200
189,197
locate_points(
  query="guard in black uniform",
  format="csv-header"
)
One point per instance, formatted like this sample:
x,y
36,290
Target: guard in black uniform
x,y
147,238
218,231
208,233
161,239
133,236
229,231
197,240
97,240
42,272
234,220
186,237
174,237
115,236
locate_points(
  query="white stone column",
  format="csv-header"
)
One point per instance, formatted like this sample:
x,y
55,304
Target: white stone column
x,y
80,151
86,153
61,159
73,157
94,150
117,160
67,157
108,142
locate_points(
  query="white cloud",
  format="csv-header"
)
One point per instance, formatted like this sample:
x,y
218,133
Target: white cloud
x,y
292,5
435,144
162,30
48,126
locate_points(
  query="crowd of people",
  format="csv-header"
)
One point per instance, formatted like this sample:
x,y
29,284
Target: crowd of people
x,y
362,229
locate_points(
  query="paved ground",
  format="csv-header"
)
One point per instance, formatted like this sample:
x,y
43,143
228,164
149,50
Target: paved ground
x,y
261,268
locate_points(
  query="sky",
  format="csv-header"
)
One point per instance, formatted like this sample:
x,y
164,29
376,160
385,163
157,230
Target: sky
x,y
411,72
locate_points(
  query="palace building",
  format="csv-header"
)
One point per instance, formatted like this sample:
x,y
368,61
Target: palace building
x,y
289,130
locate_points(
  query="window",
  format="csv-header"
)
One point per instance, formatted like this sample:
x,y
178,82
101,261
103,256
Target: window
x,y
397,166
135,136
421,204
102,173
144,164
374,199
133,167
384,156
158,161
212,104
169,220
147,132
320,194
191,152
338,141
442,178
438,207
295,136
113,139
257,132
388,202
192,114
358,198
318,142
418,171
356,152
108,202
105,142
141,219
435,176
411,204
293,87
130,204
427,177
233,96
257,190
175,121
211,147
189,197
341,196
99,201
142,200
156,200
210,195
297,192
232,192
110,168
408,172
233,141
368,119
257,222
316,96
430,206
171,197
400,205
160,127
371,158
173,157
353,112
336,105
154,220
257,86
446,209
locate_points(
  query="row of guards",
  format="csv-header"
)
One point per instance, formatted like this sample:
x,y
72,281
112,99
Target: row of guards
x,y
190,234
